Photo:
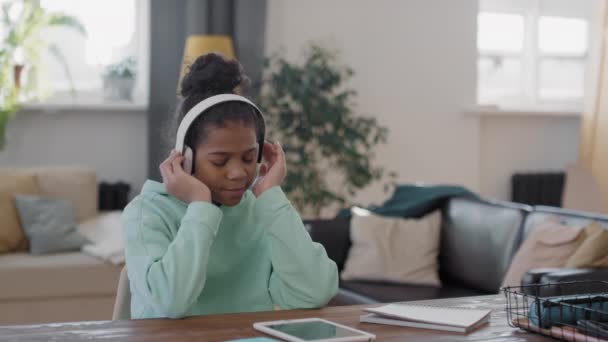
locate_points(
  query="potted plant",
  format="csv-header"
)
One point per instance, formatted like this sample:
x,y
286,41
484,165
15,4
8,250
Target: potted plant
x,y
119,80
21,47
310,109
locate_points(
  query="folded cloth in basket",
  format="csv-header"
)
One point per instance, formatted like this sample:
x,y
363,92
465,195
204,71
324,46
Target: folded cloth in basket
x,y
546,312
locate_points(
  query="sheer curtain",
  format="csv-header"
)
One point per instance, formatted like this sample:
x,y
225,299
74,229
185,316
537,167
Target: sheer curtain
x,y
587,182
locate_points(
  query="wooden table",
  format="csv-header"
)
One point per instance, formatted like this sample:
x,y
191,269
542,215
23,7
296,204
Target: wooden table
x,y
233,326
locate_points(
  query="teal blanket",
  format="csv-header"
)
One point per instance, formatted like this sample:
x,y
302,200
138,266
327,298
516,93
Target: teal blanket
x,y
410,200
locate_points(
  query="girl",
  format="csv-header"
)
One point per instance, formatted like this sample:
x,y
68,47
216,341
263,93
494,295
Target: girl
x,y
208,241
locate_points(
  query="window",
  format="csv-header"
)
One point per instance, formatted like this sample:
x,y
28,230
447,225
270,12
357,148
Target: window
x,y
532,53
116,30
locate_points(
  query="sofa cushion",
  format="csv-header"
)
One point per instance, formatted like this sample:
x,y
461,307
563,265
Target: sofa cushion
x,y
48,224
78,185
26,276
393,249
549,245
478,240
592,252
387,292
12,237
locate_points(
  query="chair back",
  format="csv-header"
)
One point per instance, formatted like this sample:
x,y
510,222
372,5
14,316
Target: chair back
x,y
122,305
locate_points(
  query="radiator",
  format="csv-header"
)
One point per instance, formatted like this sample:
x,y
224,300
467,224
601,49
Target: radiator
x,y
538,188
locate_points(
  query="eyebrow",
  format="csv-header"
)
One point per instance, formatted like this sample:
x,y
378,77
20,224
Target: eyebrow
x,y
221,153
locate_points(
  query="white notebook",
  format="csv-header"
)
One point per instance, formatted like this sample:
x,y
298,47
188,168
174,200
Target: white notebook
x,y
427,316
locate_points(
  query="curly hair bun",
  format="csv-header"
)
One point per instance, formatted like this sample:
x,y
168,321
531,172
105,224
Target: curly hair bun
x,y
212,74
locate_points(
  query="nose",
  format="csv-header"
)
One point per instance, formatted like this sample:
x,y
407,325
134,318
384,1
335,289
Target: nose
x,y
236,172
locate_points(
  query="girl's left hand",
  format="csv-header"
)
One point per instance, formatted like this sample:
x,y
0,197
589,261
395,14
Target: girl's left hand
x,y
272,170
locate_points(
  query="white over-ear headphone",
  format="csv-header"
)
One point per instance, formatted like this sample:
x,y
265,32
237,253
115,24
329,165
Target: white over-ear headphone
x,y
199,109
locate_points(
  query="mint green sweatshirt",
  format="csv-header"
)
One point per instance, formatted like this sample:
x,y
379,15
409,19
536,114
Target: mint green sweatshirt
x,y
197,259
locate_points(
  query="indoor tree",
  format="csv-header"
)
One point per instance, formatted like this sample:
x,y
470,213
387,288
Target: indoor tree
x,y
329,147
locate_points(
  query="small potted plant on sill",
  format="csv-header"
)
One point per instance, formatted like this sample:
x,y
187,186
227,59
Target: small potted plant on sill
x,y
119,80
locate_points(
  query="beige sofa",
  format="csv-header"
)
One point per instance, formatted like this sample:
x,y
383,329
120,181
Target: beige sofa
x,y
68,286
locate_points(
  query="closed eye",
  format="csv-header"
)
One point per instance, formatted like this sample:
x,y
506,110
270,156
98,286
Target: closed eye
x,y
249,156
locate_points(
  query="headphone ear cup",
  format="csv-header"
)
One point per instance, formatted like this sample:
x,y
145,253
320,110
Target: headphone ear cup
x,y
256,178
188,156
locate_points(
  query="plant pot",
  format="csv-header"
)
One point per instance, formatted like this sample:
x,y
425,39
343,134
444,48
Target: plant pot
x,y
117,88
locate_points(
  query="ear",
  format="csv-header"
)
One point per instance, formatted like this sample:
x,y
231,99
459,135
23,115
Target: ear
x,y
263,170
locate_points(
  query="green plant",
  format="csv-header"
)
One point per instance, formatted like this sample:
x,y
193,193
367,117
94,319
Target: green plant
x,y
22,45
8,94
310,109
127,68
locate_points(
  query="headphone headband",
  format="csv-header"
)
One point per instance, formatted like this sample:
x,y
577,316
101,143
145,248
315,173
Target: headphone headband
x,y
203,106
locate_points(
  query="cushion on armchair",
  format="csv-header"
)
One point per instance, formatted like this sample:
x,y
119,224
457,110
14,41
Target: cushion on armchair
x,y
77,185
12,237
549,245
48,224
593,252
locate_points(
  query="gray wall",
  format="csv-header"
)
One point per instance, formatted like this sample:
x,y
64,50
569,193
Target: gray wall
x,y
171,23
112,142
167,32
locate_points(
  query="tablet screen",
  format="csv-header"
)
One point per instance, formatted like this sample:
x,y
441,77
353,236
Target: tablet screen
x,y
314,330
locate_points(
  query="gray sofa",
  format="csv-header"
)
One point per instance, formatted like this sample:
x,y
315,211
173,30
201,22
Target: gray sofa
x,y
478,240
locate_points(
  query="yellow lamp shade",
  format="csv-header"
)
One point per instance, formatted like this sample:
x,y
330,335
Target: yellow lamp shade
x,y
201,44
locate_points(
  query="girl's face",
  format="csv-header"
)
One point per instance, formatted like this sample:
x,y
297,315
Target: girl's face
x,y
226,161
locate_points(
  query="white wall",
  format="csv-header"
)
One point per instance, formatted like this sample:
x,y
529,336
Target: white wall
x,y
415,71
415,65
517,143
113,143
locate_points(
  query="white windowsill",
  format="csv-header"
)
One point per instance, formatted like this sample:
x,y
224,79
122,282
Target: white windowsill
x,y
90,101
91,106
493,111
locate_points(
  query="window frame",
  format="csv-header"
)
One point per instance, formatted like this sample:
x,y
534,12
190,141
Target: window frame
x,y
531,58
93,100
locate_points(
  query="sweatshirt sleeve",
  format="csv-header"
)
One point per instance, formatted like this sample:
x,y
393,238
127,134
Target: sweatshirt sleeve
x,y
168,273
303,276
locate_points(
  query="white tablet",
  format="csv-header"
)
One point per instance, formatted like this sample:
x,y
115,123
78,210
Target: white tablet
x,y
312,329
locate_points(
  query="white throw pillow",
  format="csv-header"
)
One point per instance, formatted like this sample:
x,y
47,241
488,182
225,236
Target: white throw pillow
x,y
105,236
393,249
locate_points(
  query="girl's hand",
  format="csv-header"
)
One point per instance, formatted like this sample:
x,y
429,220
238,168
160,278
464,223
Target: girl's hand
x,y
181,185
272,170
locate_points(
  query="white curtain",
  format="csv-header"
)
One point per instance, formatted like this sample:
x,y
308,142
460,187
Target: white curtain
x,y
593,156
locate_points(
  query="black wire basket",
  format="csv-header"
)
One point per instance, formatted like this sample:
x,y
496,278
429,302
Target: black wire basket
x,y
569,311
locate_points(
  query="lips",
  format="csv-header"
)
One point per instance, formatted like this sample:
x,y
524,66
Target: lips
x,y
235,192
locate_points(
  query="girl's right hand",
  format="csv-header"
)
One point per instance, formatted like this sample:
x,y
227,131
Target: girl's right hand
x,y
181,185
